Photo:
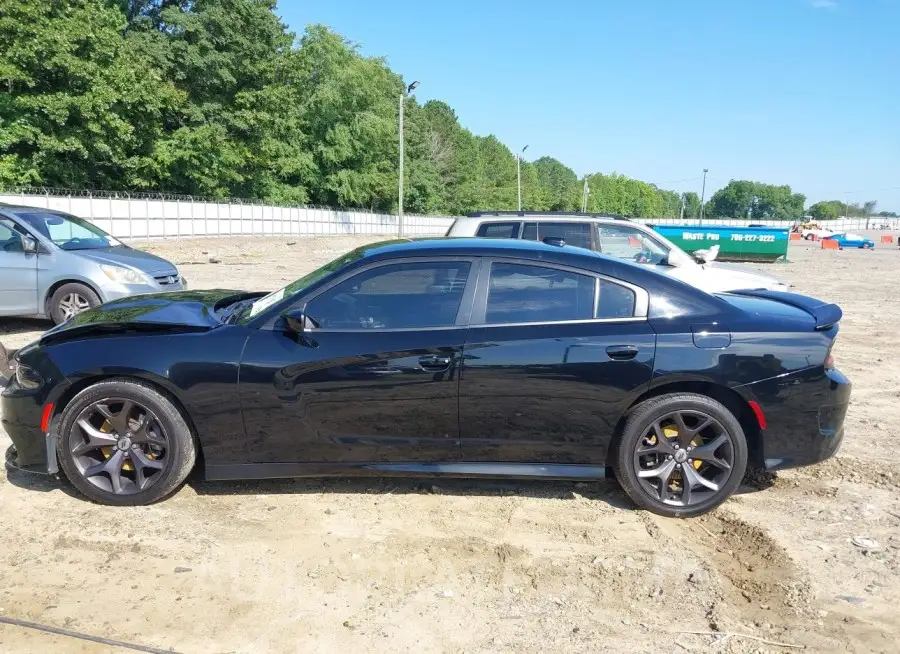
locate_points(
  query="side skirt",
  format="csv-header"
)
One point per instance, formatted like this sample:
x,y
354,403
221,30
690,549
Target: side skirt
x,y
516,470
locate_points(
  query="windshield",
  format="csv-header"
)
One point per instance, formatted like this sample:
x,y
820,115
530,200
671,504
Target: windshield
x,y
69,232
296,286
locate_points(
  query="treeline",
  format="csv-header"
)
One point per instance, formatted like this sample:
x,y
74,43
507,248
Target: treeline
x,y
218,98
831,209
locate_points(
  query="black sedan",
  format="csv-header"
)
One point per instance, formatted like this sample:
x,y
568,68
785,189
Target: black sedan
x,y
459,357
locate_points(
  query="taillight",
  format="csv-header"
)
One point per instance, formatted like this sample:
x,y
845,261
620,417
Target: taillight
x,y
829,358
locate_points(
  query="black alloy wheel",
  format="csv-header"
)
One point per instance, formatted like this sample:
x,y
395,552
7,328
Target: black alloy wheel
x,y
119,446
681,454
122,442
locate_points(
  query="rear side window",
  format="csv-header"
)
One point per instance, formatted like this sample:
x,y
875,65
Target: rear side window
x,y
576,234
499,230
615,301
521,294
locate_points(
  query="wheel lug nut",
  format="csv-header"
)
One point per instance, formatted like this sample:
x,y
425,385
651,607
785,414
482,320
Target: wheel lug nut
x,y
690,460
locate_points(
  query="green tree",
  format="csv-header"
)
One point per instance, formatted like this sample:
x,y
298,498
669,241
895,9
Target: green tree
x,y
827,210
557,185
755,200
82,106
691,205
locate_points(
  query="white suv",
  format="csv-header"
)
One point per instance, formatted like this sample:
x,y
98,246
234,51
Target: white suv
x,y
618,237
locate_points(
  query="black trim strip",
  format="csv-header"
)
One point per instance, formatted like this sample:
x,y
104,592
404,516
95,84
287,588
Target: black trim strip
x,y
375,469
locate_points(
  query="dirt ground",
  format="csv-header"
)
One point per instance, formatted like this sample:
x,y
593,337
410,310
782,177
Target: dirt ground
x,y
463,566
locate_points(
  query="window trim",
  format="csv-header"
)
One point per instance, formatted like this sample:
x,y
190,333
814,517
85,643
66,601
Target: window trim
x,y
479,308
463,314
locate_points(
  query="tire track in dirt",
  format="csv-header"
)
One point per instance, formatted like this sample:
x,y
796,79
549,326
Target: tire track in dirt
x,y
759,585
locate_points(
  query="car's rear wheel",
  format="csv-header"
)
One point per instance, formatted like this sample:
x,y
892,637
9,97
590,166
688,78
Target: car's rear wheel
x,y
681,454
124,443
71,299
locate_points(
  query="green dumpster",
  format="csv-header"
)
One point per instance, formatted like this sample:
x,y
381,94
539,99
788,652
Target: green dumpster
x,y
735,243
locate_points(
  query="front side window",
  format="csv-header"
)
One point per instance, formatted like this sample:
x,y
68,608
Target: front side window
x,y
519,294
397,296
629,243
69,232
575,234
10,240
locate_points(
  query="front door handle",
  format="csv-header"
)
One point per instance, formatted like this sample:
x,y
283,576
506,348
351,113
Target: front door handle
x,y
621,352
435,362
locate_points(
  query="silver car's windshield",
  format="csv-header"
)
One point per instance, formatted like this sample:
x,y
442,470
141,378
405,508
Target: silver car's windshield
x,y
69,232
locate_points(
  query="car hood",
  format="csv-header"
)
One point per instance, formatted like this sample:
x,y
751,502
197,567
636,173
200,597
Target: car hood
x,y
734,276
177,311
125,256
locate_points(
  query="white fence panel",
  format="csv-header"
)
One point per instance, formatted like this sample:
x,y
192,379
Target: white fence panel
x,y
148,217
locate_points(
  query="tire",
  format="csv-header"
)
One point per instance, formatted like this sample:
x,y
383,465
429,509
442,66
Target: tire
x,y
636,453
149,469
72,292
809,237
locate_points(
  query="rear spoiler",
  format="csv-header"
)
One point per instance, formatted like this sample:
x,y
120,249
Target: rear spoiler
x,y
826,315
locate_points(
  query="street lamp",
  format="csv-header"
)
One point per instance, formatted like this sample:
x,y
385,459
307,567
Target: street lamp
x,y
519,175
703,192
403,94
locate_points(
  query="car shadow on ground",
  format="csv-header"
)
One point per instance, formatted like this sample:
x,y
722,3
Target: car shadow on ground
x,y
15,326
607,490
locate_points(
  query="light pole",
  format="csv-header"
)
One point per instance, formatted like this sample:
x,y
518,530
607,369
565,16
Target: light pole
x,y
403,94
703,192
519,176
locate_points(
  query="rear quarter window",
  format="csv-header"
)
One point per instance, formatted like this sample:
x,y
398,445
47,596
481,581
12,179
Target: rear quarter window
x,y
499,230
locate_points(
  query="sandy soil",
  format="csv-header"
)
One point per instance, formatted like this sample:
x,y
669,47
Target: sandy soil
x,y
460,566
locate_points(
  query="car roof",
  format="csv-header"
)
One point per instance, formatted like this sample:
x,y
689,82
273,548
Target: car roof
x,y
24,208
478,217
474,246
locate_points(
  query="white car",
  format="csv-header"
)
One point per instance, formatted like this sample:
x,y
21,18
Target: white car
x,y
618,237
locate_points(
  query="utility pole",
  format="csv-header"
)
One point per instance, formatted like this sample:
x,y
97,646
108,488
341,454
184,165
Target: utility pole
x,y
409,89
703,192
584,195
519,176
681,214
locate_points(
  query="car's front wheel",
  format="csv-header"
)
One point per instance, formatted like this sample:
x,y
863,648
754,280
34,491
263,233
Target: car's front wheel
x,y
71,299
124,443
681,454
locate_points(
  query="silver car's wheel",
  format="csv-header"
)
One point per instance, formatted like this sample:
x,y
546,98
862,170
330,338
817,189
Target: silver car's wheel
x,y
73,303
71,299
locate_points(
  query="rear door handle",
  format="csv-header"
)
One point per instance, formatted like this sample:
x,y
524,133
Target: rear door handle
x,y
621,352
435,362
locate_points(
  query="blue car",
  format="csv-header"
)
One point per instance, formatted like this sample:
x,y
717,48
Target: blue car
x,y
852,241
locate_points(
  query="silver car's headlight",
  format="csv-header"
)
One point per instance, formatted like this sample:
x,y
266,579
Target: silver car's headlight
x,y
124,275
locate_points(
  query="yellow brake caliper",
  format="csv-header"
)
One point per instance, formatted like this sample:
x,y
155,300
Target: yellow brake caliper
x,y
107,451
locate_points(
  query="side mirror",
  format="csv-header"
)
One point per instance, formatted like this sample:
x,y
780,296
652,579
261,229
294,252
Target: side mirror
x,y
29,245
298,325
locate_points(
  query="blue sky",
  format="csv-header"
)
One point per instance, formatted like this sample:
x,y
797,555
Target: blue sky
x,y
803,92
